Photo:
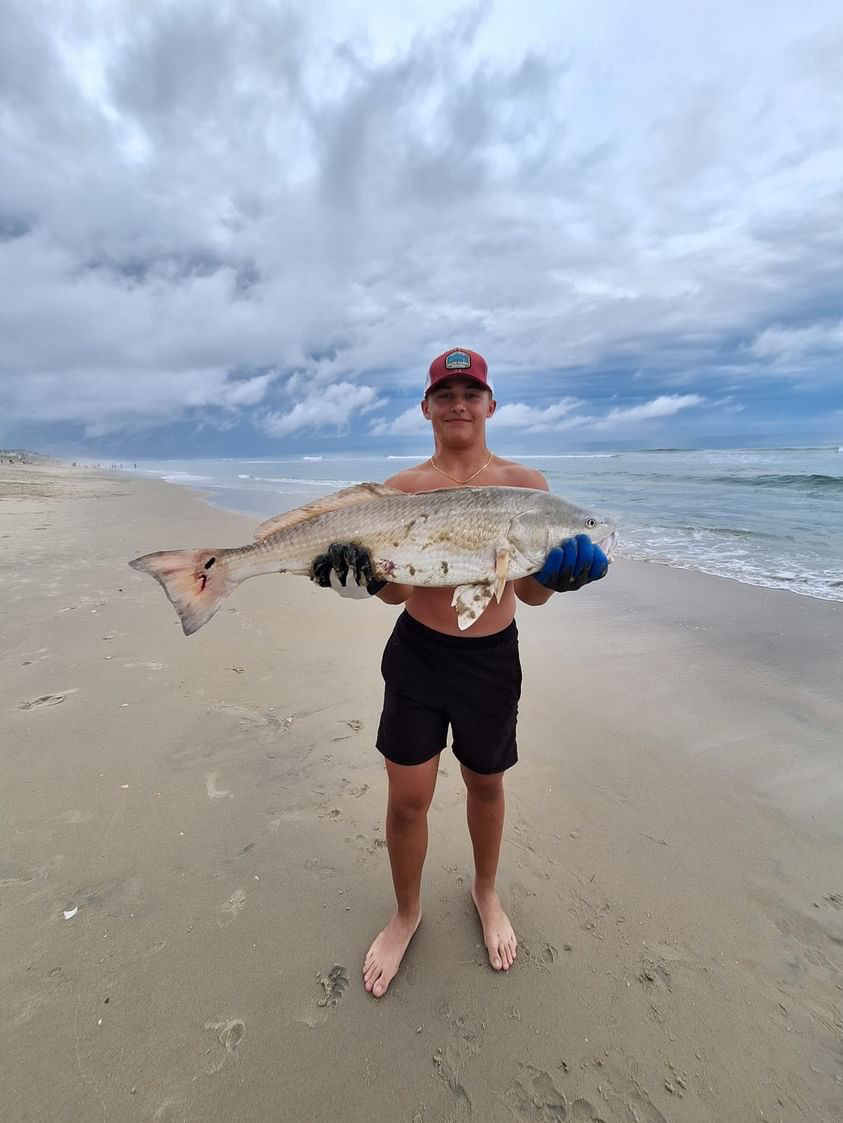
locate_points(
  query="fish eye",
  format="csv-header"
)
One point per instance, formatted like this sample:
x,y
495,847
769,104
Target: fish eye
x,y
591,522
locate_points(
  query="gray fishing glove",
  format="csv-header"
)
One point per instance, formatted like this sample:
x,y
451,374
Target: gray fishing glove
x,y
347,569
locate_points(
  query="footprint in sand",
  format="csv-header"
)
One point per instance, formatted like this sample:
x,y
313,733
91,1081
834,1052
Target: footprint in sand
x,y
16,879
29,1007
625,1099
44,700
75,816
654,975
247,716
465,1040
542,955
334,984
166,1111
231,909
230,1035
584,1112
366,847
656,981
215,792
536,1098
357,791
321,869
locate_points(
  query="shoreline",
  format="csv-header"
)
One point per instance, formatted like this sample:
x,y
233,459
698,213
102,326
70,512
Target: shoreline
x,y
213,808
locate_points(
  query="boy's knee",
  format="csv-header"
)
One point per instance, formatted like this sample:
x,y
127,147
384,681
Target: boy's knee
x,y
408,809
488,789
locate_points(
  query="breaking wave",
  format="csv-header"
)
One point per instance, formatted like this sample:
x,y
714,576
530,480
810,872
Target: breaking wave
x,y
299,480
812,482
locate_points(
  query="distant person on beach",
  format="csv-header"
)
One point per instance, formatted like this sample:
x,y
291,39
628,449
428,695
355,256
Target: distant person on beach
x,y
437,676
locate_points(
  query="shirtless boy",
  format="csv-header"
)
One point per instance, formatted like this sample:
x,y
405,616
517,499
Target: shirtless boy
x,y
437,676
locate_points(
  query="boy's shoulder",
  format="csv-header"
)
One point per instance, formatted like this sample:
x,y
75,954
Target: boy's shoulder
x,y
415,478
500,473
513,474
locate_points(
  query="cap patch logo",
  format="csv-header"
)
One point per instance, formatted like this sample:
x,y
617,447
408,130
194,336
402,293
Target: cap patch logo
x,y
457,360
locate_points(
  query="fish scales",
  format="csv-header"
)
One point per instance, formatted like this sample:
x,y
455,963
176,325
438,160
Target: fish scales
x,y
471,538
423,529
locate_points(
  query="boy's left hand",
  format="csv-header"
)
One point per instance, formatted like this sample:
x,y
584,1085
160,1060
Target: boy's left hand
x,y
572,564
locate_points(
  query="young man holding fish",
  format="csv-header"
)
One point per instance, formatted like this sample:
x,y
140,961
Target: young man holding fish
x,y
438,672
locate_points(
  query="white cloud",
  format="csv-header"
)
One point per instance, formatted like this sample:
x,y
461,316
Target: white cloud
x,y
533,419
560,417
665,405
518,417
244,392
410,423
786,344
328,408
108,401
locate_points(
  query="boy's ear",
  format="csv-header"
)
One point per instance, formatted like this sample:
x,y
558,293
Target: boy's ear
x,y
493,405
424,408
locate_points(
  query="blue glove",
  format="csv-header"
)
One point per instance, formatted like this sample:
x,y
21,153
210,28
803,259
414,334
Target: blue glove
x,y
572,564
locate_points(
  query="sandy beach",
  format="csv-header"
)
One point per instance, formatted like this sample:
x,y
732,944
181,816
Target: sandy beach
x,y
193,864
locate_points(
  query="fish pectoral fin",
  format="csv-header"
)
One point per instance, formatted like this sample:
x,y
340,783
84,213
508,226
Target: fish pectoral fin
x,y
471,602
502,558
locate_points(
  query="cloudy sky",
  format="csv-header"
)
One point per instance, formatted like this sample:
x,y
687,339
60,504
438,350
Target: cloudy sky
x,y
234,227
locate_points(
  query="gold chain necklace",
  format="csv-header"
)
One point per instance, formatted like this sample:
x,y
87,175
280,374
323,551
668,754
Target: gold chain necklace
x,y
474,475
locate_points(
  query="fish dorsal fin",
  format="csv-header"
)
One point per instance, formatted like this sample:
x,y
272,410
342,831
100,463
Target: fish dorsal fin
x,y
359,493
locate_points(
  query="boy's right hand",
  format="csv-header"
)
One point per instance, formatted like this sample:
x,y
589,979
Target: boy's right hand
x,y
348,569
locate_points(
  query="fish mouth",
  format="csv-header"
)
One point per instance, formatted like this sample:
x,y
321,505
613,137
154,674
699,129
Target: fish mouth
x,y
607,544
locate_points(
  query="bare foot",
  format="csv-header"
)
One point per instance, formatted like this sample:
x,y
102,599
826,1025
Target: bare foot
x,y
384,956
498,935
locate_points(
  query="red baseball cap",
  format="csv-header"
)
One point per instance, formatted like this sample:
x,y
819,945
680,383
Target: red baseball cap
x,y
461,362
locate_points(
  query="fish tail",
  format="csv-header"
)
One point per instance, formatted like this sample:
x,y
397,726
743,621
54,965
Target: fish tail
x,y
195,581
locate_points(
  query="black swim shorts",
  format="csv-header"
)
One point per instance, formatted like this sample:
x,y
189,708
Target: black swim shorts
x,y
433,680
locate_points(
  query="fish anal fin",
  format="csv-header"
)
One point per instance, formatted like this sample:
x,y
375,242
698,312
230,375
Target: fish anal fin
x,y
471,602
502,558
348,497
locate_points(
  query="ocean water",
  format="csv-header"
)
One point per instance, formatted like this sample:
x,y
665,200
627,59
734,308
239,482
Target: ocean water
x,y
771,517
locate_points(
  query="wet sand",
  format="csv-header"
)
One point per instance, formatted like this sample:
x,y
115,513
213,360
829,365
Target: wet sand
x,y
208,814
